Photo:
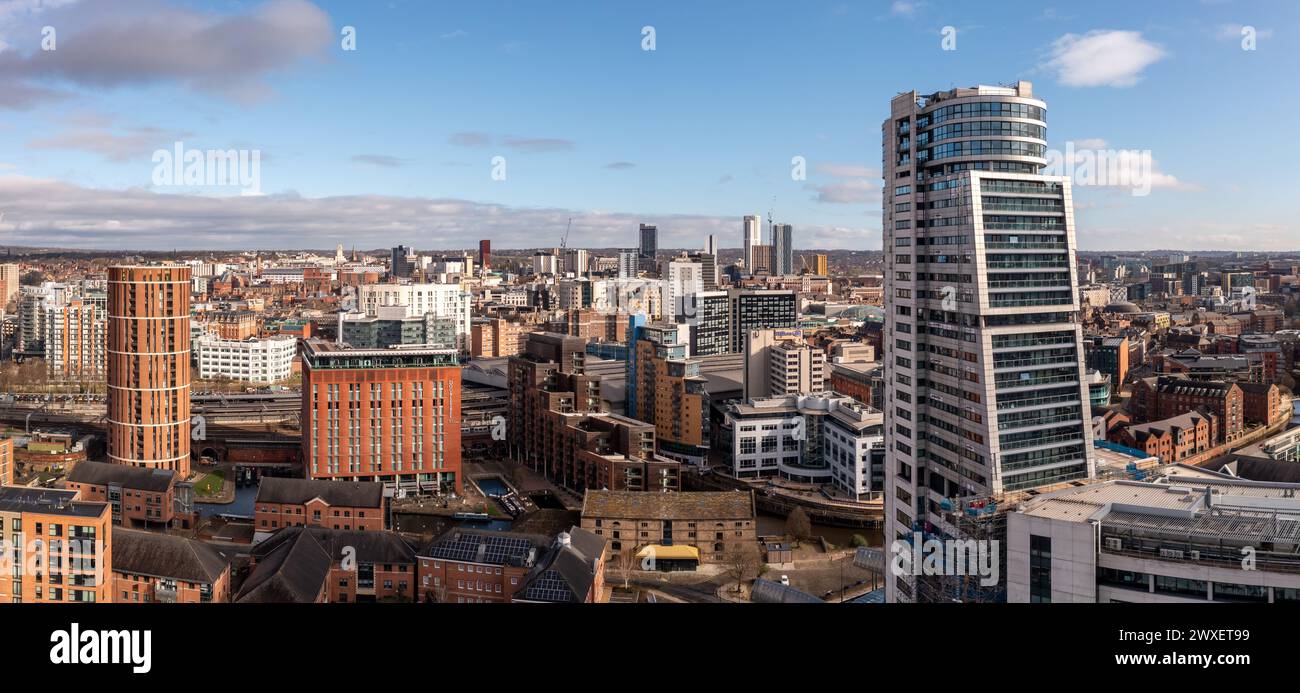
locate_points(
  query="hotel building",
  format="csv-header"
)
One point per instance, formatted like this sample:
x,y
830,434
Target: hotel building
x,y
386,415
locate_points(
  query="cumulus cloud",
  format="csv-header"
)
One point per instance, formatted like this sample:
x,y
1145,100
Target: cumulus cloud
x,y
846,192
51,213
1092,161
852,184
232,55
1102,58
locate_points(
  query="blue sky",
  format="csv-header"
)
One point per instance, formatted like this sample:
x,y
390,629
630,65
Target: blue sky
x,y
394,142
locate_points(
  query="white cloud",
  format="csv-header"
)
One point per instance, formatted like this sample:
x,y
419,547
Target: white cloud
x,y
903,8
1102,58
48,213
1233,32
848,171
141,44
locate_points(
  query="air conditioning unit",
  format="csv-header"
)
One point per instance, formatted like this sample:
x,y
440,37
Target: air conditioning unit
x,y
1171,553
1114,543
1194,555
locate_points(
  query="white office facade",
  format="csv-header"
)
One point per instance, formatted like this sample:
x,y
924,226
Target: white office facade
x,y
251,360
447,301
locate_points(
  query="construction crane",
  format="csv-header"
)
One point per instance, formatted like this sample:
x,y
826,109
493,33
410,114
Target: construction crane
x,y
564,241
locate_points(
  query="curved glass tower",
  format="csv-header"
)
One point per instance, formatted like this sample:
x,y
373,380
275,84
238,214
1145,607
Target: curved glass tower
x,y
984,367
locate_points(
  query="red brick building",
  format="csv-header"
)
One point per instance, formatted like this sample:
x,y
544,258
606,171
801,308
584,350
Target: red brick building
x,y
344,505
385,415
150,567
310,565
1164,397
1261,404
6,461
467,566
139,497
1174,439
149,367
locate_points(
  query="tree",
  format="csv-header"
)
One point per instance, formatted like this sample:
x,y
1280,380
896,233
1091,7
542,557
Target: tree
x,y
627,562
797,524
31,278
742,563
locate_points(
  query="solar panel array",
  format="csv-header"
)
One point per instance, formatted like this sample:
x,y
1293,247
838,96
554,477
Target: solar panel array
x,y
498,549
549,587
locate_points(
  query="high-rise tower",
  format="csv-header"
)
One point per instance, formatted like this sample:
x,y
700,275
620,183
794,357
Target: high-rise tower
x,y
149,366
985,389
752,236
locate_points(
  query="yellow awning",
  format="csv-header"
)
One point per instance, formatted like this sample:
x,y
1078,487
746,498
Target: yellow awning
x,y
670,553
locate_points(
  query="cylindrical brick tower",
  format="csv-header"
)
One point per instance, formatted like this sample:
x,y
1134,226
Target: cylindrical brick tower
x,y
149,367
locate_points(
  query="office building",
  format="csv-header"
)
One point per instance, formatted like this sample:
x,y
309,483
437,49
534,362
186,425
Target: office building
x,y
385,415
710,327
391,326
779,363
683,281
824,439
782,249
760,309
10,275
446,303
983,347
402,262
751,236
342,505
485,254
142,498
628,264
149,367
268,360
649,248
1183,540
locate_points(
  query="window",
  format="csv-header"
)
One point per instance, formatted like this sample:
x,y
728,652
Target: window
x,y
1040,569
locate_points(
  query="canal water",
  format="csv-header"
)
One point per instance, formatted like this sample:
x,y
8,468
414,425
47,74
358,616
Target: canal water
x,y
242,505
839,536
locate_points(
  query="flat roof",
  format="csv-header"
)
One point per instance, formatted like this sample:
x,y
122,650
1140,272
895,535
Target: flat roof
x,y
16,499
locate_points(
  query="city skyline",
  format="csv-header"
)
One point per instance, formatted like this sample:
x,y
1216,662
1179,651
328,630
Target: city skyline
x,y
615,134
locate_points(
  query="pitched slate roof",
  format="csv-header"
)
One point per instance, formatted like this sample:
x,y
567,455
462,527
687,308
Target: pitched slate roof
x,y
295,572
357,494
685,505
139,478
165,555
567,571
294,563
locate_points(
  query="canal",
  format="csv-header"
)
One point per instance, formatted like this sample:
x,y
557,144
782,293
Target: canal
x,y
839,536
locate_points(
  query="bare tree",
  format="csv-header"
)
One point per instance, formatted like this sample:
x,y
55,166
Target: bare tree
x,y
742,563
797,524
627,562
